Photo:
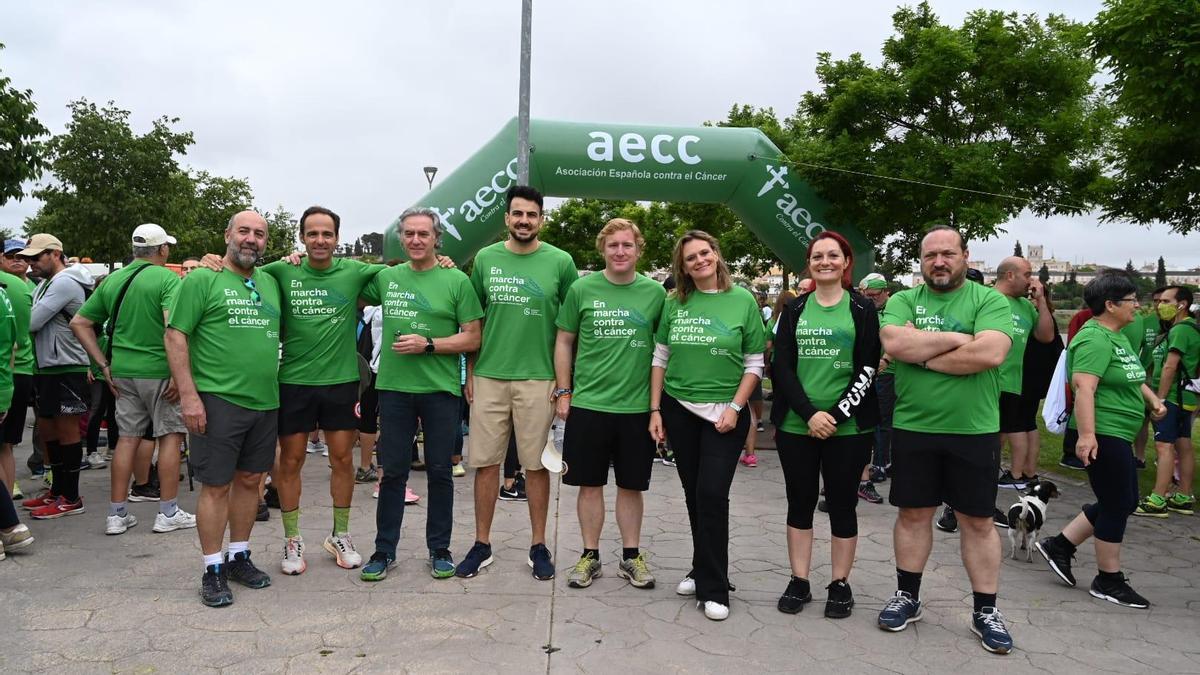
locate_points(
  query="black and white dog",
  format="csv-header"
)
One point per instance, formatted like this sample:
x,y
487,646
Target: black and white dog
x,y
1026,517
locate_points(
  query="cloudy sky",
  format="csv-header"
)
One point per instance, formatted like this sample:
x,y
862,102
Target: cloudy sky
x,y
344,105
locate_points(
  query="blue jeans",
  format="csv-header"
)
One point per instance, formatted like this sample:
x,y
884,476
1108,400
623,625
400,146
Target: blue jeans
x,y
439,414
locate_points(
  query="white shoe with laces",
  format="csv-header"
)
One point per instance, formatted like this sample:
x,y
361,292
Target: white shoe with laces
x,y
686,587
119,524
715,611
182,520
293,556
341,546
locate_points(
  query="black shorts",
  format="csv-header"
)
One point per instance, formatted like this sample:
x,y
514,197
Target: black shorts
x,y
61,394
368,408
305,408
956,469
1014,415
594,439
13,430
234,439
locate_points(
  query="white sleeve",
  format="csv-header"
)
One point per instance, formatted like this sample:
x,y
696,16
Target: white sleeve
x,y
753,363
376,325
661,354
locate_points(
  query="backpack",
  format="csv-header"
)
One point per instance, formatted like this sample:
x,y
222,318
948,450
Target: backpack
x,y
365,344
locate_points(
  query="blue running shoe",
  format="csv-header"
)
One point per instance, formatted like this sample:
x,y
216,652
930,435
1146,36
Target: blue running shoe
x,y
441,564
377,567
988,624
479,557
900,611
539,560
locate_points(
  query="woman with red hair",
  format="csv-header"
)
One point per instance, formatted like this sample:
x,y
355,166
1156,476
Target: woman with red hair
x,y
826,354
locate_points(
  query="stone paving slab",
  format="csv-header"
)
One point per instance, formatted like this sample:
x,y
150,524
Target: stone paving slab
x,y
81,602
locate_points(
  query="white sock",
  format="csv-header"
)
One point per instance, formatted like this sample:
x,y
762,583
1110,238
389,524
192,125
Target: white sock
x,y
213,559
236,547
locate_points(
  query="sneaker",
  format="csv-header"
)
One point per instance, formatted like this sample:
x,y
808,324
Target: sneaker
x,y
1000,519
458,470
750,459
325,451
143,493
878,474
441,564
669,460
263,514
61,507
795,596
1117,592
181,520
1152,506
514,494
1181,504
48,478
366,475
377,567
410,497
948,522
242,570
900,611
314,447
375,492
341,546
687,586
988,624
1071,462
17,538
293,556
17,495
271,497
479,557
715,611
584,571
823,506
636,572
840,600
760,428
1007,480
43,498
1057,558
95,460
539,560
119,524
214,588
867,492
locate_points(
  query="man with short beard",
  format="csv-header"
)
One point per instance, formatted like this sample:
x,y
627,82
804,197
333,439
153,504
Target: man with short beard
x,y
223,348
948,339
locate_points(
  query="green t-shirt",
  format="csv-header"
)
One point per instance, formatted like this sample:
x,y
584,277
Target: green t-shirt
x,y
614,327
319,319
520,295
20,295
432,303
232,339
1024,318
708,338
936,403
8,336
137,342
1106,354
1185,340
824,361
1149,323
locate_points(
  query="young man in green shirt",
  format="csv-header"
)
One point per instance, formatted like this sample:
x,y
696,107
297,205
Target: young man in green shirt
x,y
430,316
949,339
223,348
15,265
1176,380
521,282
137,371
605,344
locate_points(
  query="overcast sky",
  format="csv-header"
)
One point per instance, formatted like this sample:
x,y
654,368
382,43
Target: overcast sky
x,y
344,105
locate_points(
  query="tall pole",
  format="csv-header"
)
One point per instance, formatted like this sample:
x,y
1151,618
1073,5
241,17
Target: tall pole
x,y
523,100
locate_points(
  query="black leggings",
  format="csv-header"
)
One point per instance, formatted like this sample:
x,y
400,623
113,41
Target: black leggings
x,y
104,408
1114,480
839,461
8,512
706,461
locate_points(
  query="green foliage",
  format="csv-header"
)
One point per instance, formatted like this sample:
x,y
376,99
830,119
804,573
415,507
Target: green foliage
x,y
1152,50
1044,274
1017,250
282,233
21,150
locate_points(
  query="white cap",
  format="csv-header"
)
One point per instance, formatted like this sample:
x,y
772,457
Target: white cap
x,y
552,458
151,235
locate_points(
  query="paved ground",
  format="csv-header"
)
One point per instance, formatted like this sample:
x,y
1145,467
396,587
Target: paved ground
x,y
78,601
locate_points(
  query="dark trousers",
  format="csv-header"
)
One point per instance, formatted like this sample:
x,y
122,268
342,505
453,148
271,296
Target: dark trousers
x,y
885,388
439,416
840,461
706,461
1113,476
8,512
104,409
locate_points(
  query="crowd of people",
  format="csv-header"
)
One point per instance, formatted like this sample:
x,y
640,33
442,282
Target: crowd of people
x,y
922,387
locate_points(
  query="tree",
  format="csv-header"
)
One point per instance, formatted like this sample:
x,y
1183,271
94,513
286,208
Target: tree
x,y
1044,274
373,243
1131,270
1151,48
1160,274
282,233
1003,105
1017,250
21,150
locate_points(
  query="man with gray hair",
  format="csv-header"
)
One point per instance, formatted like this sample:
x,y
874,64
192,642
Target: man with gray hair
x,y
223,348
132,306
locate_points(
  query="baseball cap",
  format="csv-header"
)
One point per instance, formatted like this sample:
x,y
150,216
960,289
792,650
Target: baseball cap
x,y
974,275
11,245
874,281
150,234
40,242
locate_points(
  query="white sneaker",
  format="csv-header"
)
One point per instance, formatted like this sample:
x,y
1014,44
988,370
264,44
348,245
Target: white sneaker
x,y
375,492
342,548
96,460
314,447
293,556
686,587
716,611
180,521
118,524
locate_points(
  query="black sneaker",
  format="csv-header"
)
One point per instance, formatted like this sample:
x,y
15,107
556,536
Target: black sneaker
x,y
214,589
516,493
263,514
1000,519
1071,462
144,493
878,474
948,522
840,600
988,624
795,596
479,557
240,569
1058,558
271,497
1007,480
539,560
1117,592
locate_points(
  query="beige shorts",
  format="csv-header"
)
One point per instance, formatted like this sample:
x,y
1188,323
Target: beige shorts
x,y
501,405
143,405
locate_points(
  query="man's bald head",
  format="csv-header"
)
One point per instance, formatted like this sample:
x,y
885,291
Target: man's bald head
x,y
1013,276
247,217
245,239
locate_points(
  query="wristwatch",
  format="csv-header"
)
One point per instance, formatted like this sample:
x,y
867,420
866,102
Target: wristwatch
x,y
428,345
736,408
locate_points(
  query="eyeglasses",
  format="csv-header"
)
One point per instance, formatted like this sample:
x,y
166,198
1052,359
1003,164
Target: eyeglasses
x,y
1133,300
255,297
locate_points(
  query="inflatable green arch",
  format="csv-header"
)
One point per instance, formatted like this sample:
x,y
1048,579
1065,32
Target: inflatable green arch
x,y
724,165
